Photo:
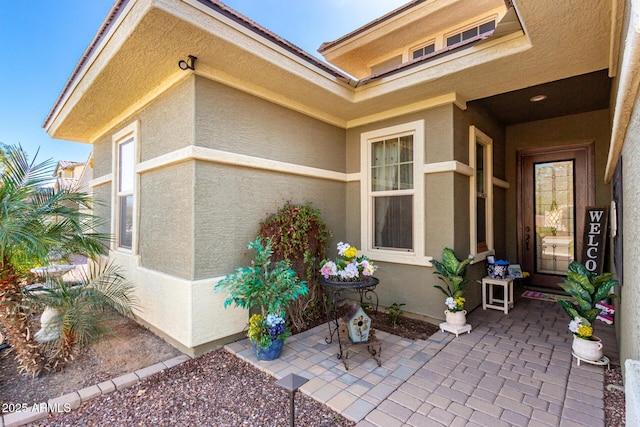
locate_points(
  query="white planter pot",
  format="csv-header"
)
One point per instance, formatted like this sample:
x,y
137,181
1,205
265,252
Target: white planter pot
x,y
457,319
587,349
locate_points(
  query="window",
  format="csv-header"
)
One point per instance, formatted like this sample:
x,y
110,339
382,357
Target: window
x,y
392,195
470,33
424,51
481,189
124,200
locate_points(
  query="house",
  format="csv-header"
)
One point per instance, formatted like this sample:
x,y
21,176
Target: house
x,y
487,126
67,174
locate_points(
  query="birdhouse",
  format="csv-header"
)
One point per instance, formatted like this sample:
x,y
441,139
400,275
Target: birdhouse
x,y
358,323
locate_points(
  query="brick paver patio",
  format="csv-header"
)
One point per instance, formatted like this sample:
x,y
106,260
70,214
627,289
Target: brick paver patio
x,y
513,369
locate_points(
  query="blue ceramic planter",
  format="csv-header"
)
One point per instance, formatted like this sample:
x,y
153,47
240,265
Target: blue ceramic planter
x,y
270,353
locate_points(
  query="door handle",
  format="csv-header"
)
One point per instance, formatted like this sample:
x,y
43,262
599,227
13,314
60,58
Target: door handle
x,y
527,238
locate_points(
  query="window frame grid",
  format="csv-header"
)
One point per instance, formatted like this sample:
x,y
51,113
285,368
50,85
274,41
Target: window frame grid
x,y
129,134
401,256
476,136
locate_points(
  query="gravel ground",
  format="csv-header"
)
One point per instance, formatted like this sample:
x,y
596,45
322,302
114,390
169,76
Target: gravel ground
x,y
216,389
614,401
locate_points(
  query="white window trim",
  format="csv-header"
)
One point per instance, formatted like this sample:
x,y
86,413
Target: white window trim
x,y
131,131
475,24
421,46
476,136
417,256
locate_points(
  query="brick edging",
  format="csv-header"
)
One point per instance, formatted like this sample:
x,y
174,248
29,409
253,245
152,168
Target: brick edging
x,y
74,400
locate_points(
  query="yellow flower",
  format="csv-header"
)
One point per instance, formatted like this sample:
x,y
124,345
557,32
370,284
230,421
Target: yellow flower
x,y
351,252
585,331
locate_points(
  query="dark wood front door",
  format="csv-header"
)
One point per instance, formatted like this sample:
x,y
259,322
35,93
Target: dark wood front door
x,y
555,185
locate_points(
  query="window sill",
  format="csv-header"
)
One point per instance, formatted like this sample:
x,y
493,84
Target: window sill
x,y
125,253
399,258
482,256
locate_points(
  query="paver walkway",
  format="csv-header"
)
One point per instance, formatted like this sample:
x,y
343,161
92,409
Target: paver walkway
x,y
511,370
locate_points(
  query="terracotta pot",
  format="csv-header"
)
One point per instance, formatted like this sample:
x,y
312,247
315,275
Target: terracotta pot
x,y
457,319
590,349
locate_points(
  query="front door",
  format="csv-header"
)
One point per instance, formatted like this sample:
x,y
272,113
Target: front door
x,y
555,185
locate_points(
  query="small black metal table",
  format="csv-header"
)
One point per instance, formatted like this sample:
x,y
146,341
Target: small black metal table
x,y
364,288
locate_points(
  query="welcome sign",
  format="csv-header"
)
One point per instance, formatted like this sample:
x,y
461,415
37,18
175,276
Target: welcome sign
x,y
595,232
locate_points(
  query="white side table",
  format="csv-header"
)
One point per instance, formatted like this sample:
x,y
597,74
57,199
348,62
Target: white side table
x,y
506,302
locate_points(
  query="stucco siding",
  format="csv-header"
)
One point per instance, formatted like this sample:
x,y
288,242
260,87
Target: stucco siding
x,y
593,126
231,120
629,315
166,239
231,201
102,207
102,160
167,124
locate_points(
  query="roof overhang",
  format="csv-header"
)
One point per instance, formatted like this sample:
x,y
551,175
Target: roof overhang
x,y
136,60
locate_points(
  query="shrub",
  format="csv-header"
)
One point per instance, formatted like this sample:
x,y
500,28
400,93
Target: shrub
x,y
299,235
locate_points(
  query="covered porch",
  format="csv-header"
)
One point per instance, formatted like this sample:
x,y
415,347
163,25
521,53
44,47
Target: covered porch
x,y
512,369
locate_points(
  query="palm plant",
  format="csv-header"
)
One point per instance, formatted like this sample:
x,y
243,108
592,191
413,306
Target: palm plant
x,y
34,221
81,306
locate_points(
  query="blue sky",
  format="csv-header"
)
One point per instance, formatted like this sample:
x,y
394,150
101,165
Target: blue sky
x,y
41,41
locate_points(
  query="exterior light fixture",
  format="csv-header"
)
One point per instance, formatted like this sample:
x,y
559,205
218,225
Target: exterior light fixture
x,y
292,383
538,98
189,64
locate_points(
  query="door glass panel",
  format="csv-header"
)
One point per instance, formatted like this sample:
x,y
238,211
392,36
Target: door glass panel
x,y
554,216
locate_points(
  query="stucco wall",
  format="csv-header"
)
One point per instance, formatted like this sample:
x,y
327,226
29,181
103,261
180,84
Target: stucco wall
x,y
629,315
102,156
102,207
167,124
586,127
231,201
231,120
166,226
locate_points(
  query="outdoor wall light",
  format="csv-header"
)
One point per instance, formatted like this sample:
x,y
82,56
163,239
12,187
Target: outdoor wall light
x,y
189,64
538,98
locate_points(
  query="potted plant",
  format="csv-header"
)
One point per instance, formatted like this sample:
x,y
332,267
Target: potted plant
x,y
271,287
452,271
588,289
349,267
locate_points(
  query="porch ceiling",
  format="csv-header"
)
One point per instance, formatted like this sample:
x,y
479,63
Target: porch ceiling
x,y
138,58
574,95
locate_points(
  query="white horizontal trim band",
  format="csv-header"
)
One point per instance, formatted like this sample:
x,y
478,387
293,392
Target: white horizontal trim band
x,y
450,166
104,179
235,159
225,157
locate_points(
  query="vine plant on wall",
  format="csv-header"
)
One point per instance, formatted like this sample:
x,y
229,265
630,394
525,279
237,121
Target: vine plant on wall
x,y
297,233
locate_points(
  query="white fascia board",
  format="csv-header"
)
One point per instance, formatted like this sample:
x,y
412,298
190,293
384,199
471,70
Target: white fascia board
x,y
215,23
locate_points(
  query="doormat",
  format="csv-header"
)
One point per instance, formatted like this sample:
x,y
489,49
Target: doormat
x,y
546,296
